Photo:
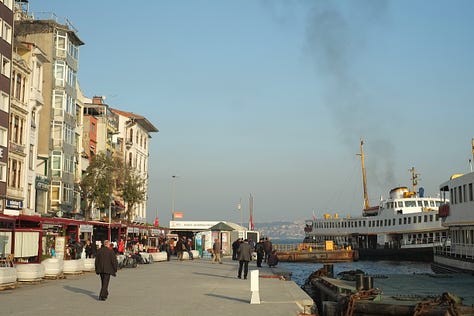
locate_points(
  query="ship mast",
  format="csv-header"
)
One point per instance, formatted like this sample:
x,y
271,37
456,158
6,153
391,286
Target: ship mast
x,y
364,177
414,179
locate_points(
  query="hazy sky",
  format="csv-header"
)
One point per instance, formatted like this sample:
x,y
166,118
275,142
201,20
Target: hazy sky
x,y
271,98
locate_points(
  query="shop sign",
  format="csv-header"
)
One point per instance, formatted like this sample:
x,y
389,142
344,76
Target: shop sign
x,y
14,204
84,228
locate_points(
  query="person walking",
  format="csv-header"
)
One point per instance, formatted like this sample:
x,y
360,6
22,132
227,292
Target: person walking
x,y
216,251
267,244
106,264
244,256
260,249
235,248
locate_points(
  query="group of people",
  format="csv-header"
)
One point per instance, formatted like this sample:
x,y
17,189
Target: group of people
x,y
242,250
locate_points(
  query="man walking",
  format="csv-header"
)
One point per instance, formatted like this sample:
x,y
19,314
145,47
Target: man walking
x,y
105,265
244,256
216,251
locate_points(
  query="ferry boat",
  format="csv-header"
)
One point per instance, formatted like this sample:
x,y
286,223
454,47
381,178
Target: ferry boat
x,y
405,226
457,254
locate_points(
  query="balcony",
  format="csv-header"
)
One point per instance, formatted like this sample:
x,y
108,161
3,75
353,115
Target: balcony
x,y
16,148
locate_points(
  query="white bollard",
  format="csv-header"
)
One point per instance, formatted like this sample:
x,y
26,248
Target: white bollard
x,y
254,287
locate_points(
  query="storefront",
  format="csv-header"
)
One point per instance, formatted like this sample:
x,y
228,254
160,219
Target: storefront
x,y
7,225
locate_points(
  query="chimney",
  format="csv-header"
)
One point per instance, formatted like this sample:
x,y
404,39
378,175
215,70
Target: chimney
x,y
98,99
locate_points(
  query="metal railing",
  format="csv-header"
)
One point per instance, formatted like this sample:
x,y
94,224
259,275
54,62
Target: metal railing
x,y
456,250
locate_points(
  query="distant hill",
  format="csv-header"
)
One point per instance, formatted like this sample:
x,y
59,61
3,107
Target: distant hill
x,y
282,230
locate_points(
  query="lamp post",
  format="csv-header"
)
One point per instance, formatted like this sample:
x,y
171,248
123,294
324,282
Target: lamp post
x,y
173,180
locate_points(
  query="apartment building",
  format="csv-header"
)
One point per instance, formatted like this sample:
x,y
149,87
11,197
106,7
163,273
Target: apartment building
x,y
6,52
135,131
58,127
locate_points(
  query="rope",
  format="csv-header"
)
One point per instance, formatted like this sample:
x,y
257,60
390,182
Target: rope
x,y
445,299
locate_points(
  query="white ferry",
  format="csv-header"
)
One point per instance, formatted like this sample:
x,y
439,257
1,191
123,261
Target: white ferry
x,y
406,226
457,255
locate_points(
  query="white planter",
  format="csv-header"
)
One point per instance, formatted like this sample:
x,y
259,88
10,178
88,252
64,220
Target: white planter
x,y
73,266
159,256
29,272
7,275
53,267
194,252
89,264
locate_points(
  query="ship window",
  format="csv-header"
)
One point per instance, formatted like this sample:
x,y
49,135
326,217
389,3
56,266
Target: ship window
x,y
471,197
400,204
437,217
364,223
410,203
420,203
399,212
404,220
460,194
426,218
431,218
409,220
432,203
426,203
464,192
419,219
399,221
414,219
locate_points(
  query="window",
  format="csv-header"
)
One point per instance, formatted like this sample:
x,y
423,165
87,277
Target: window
x,y
60,73
7,32
61,40
471,197
15,171
6,67
460,194
4,101
58,102
31,157
56,164
3,137
72,50
3,172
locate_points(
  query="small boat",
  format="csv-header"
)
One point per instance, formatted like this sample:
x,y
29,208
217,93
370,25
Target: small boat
x,y
404,226
457,253
315,253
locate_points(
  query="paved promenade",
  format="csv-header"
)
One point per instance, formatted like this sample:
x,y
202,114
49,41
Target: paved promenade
x,y
195,287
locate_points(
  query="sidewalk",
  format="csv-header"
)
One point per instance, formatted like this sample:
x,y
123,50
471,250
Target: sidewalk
x,y
195,287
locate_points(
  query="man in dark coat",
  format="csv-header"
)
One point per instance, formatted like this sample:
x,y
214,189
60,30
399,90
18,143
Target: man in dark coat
x,y
260,249
244,256
105,265
235,248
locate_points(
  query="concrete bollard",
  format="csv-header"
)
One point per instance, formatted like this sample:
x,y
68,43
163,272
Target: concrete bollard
x,y
254,287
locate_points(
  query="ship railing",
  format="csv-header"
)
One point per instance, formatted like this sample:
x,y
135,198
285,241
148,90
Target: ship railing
x,y
456,250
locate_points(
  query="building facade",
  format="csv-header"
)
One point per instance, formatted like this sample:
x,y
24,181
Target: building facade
x,y
135,131
6,52
58,39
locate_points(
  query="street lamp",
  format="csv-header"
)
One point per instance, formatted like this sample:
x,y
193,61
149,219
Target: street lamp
x,y
173,179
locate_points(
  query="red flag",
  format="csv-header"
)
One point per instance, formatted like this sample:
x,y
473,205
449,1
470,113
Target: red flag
x,y
156,223
251,226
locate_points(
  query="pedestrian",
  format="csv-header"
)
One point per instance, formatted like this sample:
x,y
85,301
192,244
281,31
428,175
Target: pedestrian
x,y
244,256
272,259
105,265
260,249
235,248
88,249
121,246
267,244
216,251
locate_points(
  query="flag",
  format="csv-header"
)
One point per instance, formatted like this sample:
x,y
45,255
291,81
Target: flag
x,y
177,215
251,225
156,223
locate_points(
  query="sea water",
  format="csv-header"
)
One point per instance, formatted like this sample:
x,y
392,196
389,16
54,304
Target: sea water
x,y
301,271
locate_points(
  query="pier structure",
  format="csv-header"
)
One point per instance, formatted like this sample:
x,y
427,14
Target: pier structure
x,y
191,287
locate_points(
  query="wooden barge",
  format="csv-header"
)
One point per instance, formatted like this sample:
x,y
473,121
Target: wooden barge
x,y
400,295
316,253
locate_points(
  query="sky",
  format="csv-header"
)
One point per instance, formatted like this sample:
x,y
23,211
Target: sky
x,y
272,98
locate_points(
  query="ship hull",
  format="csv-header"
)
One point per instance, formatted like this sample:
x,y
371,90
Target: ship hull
x,y
318,256
424,254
